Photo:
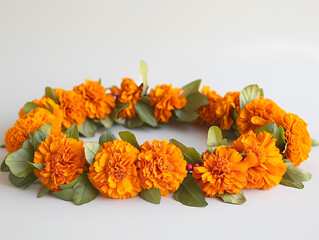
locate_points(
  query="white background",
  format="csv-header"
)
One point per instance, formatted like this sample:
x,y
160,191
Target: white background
x,y
228,44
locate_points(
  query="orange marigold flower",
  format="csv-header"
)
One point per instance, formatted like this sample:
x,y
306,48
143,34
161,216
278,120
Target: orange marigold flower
x,y
161,165
257,114
267,165
207,114
225,108
48,103
221,172
63,160
97,102
72,106
165,98
30,122
114,172
297,138
129,93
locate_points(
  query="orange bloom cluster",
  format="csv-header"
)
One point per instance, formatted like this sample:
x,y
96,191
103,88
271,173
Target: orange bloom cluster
x,y
97,102
62,158
30,122
221,172
267,166
297,138
220,109
164,98
72,106
257,114
161,165
252,162
114,171
129,93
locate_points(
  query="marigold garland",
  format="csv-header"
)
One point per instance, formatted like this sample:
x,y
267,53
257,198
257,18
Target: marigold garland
x,y
271,145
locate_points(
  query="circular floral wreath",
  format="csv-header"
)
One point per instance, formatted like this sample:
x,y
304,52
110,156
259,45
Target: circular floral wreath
x,y
44,144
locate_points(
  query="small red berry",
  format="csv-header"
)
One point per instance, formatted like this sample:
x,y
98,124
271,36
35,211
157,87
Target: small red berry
x,y
189,167
196,165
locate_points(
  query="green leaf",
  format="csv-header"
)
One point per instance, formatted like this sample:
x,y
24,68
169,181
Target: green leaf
x,y
38,166
4,166
186,116
190,193
190,154
215,139
22,182
70,184
29,106
50,93
18,162
248,94
195,101
191,87
315,142
107,136
37,138
130,138
232,198
146,113
88,128
66,194
73,132
27,144
45,128
134,122
277,132
82,191
121,106
90,150
144,73
152,195
43,190
107,122
294,176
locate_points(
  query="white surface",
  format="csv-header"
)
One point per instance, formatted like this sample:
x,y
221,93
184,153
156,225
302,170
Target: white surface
x,y
229,44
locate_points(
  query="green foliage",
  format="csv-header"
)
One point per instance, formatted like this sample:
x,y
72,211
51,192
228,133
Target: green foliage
x,y
134,122
186,116
73,132
43,190
146,113
152,195
277,132
81,192
190,154
90,150
50,93
107,122
144,73
314,142
249,94
191,87
18,162
4,166
22,182
88,128
215,139
106,136
195,101
29,106
37,138
294,176
45,128
232,198
190,193
130,138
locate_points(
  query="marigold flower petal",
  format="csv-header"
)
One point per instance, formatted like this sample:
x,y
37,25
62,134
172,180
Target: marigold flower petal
x,y
257,114
297,138
164,98
266,165
72,106
129,93
161,165
221,172
63,159
114,172
97,102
